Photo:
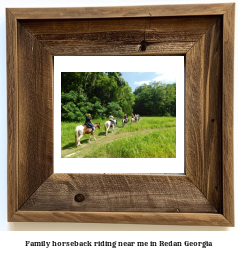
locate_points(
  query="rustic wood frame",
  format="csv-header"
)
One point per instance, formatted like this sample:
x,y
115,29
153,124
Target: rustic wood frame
x,y
203,33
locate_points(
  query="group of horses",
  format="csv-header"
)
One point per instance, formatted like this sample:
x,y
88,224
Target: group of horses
x,y
135,119
83,129
125,121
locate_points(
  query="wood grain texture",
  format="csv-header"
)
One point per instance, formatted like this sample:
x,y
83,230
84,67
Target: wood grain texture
x,y
140,193
12,116
35,114
203,114
227,113
179,25
71,48
121,11
192,219
119,36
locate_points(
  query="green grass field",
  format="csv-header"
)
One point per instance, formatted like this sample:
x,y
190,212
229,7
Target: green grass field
x,y
151,137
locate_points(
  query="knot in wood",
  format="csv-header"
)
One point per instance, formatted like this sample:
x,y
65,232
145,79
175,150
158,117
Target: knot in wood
x,y
143,45
79,198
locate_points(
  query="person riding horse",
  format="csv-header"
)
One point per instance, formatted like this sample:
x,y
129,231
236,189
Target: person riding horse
x,y
132,118
88,122
125,117
111,119
87,128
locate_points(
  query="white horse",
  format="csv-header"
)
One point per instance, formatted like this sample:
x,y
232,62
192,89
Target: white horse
x,y
107,125
132,120
81,130
124,121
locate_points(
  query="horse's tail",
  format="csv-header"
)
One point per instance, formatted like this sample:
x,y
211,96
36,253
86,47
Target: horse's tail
x,y
76,136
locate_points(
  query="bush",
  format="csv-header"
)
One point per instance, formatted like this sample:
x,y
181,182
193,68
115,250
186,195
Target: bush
x,y
75,107
114,109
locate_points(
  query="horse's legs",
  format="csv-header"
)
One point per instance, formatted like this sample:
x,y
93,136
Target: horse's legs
x,y
76,137
89,141
81,135
90,137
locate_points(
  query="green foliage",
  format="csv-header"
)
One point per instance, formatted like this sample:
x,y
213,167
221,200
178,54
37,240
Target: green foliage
x,y
155,99
105,93
97,93
114,109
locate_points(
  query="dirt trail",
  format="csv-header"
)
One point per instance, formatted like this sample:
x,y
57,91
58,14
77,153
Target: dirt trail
x,y
82,150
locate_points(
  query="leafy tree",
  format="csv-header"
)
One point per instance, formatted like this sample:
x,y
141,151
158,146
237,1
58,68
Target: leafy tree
x,y
114,109
96,93
155,99
102,93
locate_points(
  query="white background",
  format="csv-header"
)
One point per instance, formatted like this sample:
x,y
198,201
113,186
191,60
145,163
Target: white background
x,y
122,64
14,241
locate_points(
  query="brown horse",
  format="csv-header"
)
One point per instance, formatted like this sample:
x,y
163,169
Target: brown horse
x,y
81,130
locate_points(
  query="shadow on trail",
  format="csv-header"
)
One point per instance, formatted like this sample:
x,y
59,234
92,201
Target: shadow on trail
x,y
104,133
72,144
101,133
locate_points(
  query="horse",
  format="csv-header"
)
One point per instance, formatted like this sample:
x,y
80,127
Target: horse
x,y
107,125
132,120
124,121
81,130
136,118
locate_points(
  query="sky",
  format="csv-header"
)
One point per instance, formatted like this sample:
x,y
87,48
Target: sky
x,y
136,79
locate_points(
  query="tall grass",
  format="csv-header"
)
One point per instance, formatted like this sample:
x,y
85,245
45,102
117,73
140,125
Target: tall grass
x,y
156,144
149,123
151,137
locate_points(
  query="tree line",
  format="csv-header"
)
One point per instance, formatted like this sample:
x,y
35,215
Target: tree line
x,y
155,99
105,93
97,93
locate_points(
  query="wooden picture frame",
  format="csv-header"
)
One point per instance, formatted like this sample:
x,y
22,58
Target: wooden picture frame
x,y
204,34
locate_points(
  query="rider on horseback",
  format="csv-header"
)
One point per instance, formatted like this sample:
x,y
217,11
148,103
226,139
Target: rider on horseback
x,y
125,117
111,119
88,122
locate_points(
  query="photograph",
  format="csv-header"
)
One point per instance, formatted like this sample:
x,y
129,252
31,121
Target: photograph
x,y
118,114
